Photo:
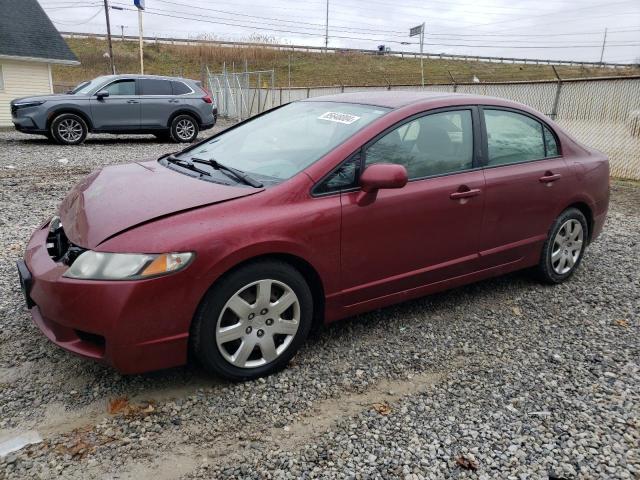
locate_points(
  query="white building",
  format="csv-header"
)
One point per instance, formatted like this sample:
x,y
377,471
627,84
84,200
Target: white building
x,y
29,45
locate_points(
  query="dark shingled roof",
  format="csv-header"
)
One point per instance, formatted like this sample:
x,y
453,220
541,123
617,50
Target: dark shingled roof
x,y
26,31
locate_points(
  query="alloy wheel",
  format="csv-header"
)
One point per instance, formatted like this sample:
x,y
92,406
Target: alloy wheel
x,y
567,246
258,323
185,129
70,130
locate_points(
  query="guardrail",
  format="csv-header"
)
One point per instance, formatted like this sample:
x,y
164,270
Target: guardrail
x,y
306,48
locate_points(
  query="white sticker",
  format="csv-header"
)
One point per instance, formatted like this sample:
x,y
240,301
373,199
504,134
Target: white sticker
x,y
345,118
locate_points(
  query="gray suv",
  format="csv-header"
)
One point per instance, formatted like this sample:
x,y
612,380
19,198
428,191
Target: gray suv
x,y
169,108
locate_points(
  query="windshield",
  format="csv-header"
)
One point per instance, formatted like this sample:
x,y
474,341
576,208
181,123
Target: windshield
x,y
85,87
284,142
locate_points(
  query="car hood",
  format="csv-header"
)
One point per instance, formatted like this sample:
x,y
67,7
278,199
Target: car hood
x,y
49,98
120,197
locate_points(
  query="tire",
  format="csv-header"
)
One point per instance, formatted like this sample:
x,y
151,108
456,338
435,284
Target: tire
x,y
230,356
184,129
564,248
68,129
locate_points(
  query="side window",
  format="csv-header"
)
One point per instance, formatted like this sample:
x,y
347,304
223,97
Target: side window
x,y
436,144
121,87
550,144
341,178
152,86
513,137
180,88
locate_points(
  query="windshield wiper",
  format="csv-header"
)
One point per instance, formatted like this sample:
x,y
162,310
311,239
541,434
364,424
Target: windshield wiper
x,y
183,163
239,174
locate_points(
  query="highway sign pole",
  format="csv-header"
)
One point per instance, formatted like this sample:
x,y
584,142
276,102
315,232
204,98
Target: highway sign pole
x,y
419,30
140,6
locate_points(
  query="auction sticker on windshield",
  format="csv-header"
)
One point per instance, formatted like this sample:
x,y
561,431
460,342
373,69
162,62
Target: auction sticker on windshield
x,y
345,118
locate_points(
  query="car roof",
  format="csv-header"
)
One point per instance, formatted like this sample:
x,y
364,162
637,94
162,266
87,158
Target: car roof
x,y
137,75
401,98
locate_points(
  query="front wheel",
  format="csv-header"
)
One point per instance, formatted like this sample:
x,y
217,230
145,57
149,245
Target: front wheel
x,y
69,129
252,322
563,250
184,129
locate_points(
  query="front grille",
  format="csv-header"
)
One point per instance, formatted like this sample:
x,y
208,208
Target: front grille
x,y
58,245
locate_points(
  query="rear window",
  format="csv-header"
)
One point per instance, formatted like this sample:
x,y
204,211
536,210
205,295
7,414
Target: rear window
x,y
150,86
180,88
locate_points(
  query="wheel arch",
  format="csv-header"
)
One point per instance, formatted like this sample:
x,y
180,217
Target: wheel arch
x,y
56,113
184,111
305,268
588,214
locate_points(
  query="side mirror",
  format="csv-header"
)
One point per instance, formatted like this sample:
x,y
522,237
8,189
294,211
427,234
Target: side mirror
x,y
383,175
102,94
379,176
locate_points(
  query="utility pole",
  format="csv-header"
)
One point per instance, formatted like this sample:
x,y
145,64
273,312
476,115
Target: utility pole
x,y
326,30
106,13
604,42
122,32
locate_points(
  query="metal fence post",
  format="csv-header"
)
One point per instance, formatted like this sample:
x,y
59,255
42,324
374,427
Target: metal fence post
x,y
556,100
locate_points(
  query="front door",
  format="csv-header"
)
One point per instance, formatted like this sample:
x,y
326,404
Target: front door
x,y
427,231
120,110
527,184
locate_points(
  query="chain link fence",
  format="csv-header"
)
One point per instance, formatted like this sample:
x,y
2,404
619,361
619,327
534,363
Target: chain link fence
x,y
601,113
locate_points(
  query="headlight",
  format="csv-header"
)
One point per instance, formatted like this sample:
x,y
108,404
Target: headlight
x,y
28,104
125,266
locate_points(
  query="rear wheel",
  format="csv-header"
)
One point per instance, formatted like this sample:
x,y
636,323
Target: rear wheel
x,y
68,129
184,129
563,250
253,322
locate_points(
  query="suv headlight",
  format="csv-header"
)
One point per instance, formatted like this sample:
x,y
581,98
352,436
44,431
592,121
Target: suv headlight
x,y
92,265
35,103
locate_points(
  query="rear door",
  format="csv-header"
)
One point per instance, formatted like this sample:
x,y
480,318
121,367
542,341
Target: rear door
x,y
427,231
527,181
120,110
158,102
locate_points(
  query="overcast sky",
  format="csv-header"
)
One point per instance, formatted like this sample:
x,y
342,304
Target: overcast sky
x,y
564,29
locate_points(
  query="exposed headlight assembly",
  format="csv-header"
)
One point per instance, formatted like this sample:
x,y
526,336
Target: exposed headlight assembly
x,y
92,265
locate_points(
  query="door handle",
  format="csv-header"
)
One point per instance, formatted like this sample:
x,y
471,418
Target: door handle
x,y
469,192
173,100
549,177
133,101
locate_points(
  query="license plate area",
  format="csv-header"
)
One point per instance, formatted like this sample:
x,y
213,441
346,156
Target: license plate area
x,y
26,281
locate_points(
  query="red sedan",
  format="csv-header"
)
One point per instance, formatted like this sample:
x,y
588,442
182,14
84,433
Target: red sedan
x,y
312,212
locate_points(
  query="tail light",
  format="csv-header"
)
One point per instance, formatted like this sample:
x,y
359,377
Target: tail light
x,y
207,99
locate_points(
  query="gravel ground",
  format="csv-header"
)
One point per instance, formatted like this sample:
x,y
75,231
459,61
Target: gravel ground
x,y
505,378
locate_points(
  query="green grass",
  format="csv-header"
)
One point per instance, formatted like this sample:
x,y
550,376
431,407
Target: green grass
x,y
307,69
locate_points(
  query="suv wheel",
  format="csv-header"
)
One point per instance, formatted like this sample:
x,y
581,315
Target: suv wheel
x,y
252,323
564,247
68,129
184,129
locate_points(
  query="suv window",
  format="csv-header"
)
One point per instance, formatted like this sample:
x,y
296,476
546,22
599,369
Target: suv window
x,y
180,88
121,87
436,144
514,137
151,86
